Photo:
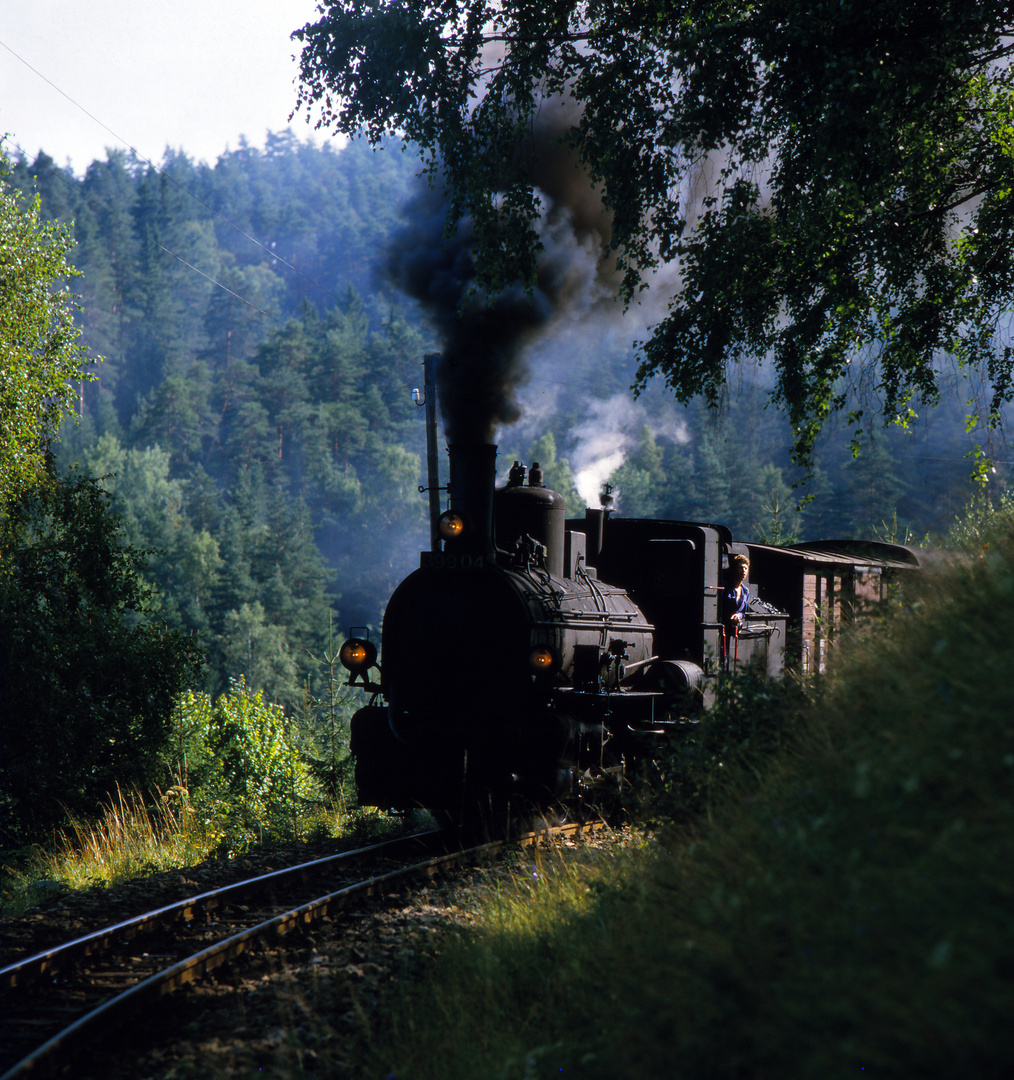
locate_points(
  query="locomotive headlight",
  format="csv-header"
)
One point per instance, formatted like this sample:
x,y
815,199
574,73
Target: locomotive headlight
x,y
543,660
451,525
357,655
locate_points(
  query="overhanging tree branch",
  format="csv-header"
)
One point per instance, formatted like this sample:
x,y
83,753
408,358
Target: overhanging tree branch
x,y
883,134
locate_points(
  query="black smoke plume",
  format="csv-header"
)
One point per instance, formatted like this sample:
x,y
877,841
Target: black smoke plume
x,y
484,339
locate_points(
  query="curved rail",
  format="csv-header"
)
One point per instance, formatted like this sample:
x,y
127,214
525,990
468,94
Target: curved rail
x,y
47,1056
50,961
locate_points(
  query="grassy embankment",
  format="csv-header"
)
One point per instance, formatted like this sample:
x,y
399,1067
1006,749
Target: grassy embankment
x,y
134,837
829,890
833,898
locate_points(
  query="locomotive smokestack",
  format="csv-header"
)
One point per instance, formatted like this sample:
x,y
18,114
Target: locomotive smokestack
x,y
471,480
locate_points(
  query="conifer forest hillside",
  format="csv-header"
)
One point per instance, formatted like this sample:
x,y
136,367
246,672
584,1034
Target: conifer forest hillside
x,y
252,410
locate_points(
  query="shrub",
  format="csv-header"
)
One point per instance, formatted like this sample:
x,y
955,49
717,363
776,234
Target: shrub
x,y
241,766
87,682
753,720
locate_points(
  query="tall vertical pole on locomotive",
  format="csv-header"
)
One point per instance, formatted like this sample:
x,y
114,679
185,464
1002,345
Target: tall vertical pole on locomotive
x,y
428,400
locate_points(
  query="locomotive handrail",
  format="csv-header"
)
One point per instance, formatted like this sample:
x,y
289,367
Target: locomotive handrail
x,y
626,670
748,624
595,619
593,587
600,615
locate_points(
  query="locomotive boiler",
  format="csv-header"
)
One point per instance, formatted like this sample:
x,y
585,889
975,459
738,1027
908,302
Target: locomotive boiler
x,y
529,655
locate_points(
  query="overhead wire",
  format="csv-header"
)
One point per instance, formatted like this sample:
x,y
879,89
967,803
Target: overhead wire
x,y
168,176
98,203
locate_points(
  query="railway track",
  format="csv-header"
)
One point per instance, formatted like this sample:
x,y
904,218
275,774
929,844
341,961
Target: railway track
x,y
56,1002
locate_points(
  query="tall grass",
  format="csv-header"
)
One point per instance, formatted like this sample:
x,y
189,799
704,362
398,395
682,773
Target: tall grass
x,y
134,837
835,900
243,776
131,838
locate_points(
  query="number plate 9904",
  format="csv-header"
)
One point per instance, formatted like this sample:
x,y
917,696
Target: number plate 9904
x,y
446,560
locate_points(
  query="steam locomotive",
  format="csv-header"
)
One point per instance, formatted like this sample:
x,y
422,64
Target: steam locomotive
x,y
530,655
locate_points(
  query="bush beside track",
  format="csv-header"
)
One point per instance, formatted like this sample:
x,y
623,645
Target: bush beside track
x,y
826,889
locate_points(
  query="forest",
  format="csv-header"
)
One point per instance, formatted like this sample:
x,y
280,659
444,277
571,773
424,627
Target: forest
x,y
251,420
252,411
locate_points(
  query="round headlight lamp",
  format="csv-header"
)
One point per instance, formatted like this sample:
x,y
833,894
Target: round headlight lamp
x,y
451,525
357,655
544,660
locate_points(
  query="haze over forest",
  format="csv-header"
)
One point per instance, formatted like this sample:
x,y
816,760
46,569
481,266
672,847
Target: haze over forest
x,y
254,417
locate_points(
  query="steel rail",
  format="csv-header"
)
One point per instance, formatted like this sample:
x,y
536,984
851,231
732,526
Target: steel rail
x,y
51,960
184,971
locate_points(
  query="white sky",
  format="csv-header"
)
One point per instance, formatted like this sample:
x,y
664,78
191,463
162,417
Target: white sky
x,y
194,75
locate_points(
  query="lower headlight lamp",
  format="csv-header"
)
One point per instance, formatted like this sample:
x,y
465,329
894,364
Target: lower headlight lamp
x,y
543,660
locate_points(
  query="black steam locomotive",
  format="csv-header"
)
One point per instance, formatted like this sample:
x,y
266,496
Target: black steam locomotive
x,y
531,655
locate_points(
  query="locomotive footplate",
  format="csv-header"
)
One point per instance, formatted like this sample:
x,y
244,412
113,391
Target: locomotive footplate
x,y
633,709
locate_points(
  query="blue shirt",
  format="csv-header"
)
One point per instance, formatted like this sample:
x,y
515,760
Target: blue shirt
x,y
733,606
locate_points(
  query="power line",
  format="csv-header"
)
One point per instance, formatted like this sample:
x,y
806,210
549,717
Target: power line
x,y
94,202
162,172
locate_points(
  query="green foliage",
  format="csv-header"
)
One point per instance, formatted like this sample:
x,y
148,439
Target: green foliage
x,y
781,517
88,681
281,397
257,650
241,763
39,356
832,180
753,722
983,522
738,472
255,596
640,482
329,716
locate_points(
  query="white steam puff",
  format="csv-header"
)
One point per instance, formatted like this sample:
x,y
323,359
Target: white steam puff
x,y
602,441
